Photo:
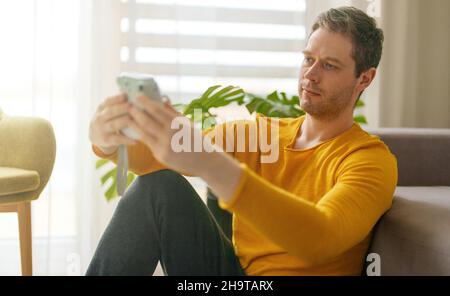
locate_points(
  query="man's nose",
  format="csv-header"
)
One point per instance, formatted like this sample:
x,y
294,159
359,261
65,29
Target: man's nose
x,y
312,73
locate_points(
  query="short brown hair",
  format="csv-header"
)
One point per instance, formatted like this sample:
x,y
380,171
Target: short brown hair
x,y
367,39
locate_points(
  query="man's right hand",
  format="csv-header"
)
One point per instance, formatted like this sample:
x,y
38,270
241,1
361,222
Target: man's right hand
x,y
110,118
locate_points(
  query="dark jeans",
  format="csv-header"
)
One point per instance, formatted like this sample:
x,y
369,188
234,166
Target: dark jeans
x,y
162,218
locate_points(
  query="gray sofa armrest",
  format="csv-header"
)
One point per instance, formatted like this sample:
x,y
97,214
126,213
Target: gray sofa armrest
x,y
423,155
413,237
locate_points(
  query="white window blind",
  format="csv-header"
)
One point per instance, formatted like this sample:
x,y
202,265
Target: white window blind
x,y
189,45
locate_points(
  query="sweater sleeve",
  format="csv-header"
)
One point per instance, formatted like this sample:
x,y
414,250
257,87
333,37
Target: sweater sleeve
x,y
142,162
140,159
363,192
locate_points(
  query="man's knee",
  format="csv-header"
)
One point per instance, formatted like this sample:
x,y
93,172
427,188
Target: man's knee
x,y
161,179
167,185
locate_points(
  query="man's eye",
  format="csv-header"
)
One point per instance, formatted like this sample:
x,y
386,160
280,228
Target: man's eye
x,y
329,66
308,60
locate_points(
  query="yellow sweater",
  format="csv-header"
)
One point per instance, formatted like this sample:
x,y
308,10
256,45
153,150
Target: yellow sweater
x,y
310,213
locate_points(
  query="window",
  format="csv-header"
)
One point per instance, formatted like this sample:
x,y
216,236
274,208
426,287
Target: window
x,y
189,45
60,57
39,60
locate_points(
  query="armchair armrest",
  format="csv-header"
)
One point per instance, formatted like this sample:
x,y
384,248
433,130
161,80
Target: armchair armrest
x,y
28,144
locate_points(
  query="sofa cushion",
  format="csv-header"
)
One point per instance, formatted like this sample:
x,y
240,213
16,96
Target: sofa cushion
x,y
15,181
413,238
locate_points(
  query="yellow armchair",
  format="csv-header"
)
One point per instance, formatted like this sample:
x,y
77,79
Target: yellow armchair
x,y
27,156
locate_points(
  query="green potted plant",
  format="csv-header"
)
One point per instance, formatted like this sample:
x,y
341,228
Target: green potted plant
x,y
276,104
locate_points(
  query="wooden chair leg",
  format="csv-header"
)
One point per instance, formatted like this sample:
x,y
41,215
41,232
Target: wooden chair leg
x,y
24,216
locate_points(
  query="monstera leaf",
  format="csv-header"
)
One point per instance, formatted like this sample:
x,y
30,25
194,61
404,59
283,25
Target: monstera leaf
x,y
360,118
275,105
109,179
215,97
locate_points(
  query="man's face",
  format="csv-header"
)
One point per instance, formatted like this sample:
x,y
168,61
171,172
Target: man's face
x,y
327,80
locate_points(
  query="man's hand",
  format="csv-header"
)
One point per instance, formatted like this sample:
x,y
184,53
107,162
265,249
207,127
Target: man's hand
x,y
154,125
110,118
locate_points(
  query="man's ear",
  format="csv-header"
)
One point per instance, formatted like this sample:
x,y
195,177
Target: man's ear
x,y
366,78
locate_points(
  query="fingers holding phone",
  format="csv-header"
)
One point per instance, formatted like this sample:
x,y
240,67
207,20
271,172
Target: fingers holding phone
x,y
111,117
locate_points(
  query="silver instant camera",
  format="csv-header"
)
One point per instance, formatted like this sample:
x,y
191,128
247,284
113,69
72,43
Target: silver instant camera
x,y
136,85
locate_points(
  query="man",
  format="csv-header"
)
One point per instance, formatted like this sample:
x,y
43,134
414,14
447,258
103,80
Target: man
x,y
311,212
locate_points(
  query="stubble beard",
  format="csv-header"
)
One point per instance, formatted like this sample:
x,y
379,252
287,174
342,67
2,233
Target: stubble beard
x,y
327,107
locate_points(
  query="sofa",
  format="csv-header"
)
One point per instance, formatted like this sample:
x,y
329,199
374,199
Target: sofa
x,y
413,237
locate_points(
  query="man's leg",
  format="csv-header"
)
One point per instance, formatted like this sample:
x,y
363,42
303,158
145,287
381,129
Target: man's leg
x,y
162,218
